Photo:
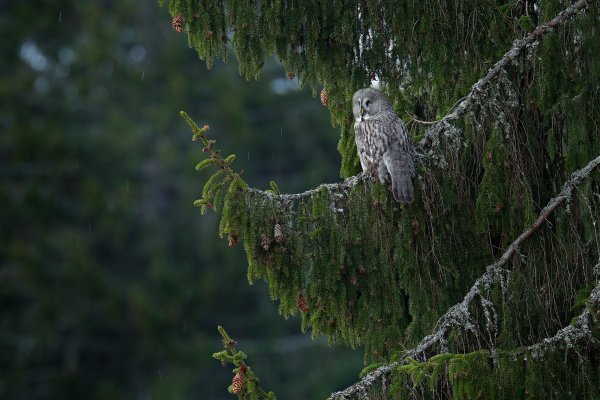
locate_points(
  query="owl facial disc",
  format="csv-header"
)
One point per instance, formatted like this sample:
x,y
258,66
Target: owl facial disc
x,y
363,116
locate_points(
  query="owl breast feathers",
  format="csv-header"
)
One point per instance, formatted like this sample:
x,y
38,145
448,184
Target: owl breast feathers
x,y
382,143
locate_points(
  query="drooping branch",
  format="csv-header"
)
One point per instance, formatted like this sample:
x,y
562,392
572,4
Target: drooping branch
x,y
468,103
458,315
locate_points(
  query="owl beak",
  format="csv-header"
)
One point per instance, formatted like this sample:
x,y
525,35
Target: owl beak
x,y
362,112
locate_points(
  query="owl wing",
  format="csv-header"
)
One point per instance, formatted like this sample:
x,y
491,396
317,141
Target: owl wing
x,y
399,163
401,168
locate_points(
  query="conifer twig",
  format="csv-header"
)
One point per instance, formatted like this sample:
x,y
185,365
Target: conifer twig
x,y
225,176
215,155
457,315
244,382
418,121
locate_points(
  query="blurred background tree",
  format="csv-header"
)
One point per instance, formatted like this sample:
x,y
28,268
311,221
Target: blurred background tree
x,y
111,286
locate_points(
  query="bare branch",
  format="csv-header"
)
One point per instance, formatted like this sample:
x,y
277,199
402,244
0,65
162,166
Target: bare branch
x,y
332,187
458,314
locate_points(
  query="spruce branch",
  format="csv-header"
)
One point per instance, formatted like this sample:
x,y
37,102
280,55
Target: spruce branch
x,y
458,314
225,175
244,383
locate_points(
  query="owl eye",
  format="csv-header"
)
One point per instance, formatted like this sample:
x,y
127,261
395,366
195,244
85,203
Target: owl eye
x,y
368,103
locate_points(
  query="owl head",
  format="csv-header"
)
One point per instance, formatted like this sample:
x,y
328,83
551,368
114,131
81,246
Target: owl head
x,y
368,102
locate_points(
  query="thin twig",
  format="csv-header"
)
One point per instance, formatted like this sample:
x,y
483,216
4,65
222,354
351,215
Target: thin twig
x,y
458,314
418,121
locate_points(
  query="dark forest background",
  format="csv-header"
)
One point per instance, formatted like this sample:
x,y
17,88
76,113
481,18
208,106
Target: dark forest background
x,y
111,283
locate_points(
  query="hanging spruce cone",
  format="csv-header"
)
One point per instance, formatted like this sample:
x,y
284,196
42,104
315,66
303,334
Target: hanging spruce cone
x,y
232,239
291,75
278,233
302,303
178,23
237,384
324,97
265,242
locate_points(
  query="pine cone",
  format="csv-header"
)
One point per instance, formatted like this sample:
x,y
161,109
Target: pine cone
x,y
178,23
302,303
291,75
265,242
324,97
232,239
278,233
237,384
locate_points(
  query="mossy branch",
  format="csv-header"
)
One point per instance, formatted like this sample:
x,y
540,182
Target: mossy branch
x,y
458,315
244,383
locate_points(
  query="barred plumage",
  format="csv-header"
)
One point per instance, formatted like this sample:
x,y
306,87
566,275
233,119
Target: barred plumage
x,y
382,142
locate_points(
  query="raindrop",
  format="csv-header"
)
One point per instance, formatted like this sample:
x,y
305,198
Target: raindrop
x,y
143,72
59,17
160,374
248,156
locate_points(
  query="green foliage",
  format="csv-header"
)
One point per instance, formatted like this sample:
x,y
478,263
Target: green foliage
x,y
503,205
223,177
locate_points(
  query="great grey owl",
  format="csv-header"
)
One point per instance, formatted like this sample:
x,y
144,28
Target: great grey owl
x,y
382,142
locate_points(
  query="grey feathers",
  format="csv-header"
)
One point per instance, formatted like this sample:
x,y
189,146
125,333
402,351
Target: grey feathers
x,y
400,167
382,143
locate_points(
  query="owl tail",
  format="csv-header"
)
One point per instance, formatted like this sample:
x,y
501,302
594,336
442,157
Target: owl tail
x,y
400,166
